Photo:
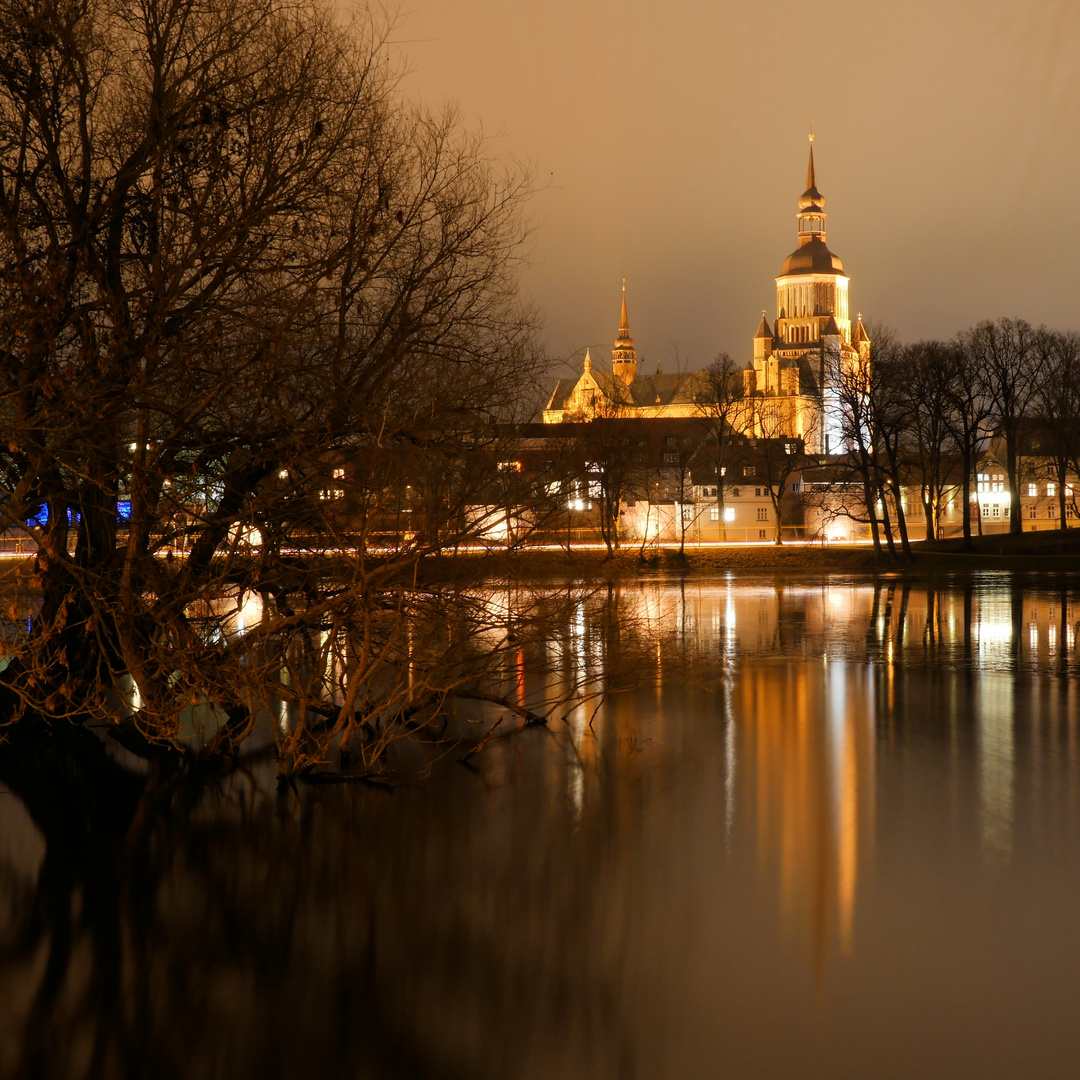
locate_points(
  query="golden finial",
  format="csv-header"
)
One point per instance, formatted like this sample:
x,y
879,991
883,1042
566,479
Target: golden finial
x,y
811,130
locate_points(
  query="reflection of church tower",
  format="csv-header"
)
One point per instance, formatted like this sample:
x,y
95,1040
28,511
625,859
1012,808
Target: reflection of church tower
x,y
812,289
624,356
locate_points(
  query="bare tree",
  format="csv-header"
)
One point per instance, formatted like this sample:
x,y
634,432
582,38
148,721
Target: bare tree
x,y
931,369
721,401
778,457
1057,406
254,310
1006,356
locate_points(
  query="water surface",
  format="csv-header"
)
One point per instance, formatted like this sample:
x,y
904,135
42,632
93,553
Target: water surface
x,y
788,826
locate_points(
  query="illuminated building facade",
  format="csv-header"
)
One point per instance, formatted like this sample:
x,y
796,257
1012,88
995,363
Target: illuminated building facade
x,y
791,383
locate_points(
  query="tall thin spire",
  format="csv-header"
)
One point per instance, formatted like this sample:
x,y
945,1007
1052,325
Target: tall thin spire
x,y
623,356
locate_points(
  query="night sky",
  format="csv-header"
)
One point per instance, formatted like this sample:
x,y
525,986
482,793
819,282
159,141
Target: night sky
x,y
669,143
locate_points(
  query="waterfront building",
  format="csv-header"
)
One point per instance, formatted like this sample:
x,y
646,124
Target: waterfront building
x,y
790,385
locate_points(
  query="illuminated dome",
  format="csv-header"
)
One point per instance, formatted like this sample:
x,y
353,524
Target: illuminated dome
x,y
813,257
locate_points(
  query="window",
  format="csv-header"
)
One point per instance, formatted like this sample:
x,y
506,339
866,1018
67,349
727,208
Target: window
x,y
997,510
671,457
757,492
795,487
510,466
1033,490
339,474
1051,490
1070,510
594,489
748,470
1033,512
763,513
714,514
763,534
671,441
687,512
729,513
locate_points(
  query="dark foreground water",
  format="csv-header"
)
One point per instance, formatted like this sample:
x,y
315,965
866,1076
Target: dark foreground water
x,y
821,827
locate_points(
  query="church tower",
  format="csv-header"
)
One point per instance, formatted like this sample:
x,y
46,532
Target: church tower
x,y
624,356
812,287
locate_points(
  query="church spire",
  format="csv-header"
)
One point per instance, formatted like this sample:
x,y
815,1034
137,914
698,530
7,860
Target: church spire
x,y
811,204
624,356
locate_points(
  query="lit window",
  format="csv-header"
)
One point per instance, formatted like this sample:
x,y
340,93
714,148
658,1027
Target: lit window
x,y
729,513
1033,490
748,470
1051,490
339,474
714,513
283,474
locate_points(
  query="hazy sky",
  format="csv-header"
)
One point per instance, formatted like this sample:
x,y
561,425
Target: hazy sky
x,y
669,143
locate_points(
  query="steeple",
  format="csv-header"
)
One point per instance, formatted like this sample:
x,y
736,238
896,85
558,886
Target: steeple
x,y
624,356
811,206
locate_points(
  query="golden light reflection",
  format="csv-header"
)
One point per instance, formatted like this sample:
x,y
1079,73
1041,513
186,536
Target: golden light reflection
x,y
810,745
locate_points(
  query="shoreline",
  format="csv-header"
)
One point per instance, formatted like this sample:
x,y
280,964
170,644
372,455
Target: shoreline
x,y
1028,553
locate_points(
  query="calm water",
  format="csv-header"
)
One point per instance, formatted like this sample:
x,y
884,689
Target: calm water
x,y
816,827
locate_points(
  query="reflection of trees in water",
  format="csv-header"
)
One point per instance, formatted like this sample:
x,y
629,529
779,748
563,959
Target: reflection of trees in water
x,y
179,928
489,924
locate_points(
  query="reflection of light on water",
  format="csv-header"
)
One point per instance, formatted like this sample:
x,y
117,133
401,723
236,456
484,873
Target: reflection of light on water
x,y
997,764
992,629
729,765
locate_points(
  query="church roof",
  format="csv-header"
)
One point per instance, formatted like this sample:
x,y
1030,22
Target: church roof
x,y
561,394
763,330
812,257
